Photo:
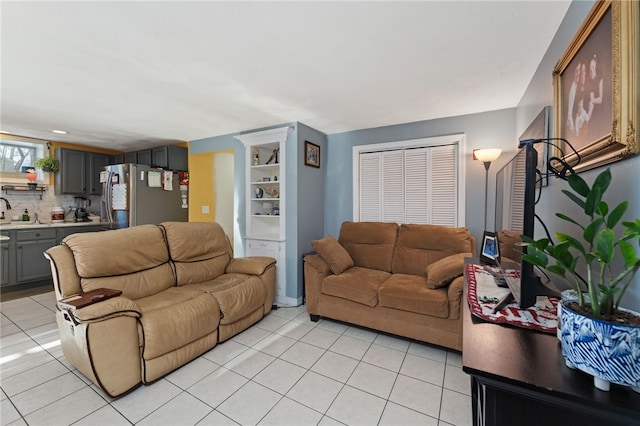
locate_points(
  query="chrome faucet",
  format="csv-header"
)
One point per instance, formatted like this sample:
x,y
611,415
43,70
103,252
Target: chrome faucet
x,y
36,219
6,203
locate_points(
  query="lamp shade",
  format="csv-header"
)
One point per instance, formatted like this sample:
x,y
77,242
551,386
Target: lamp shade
x,y
487,155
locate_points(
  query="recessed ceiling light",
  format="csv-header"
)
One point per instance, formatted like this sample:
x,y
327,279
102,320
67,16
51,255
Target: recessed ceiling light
x,y
60,132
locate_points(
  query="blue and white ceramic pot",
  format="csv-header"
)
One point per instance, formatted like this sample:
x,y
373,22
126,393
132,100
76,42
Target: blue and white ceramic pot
x,y
607,351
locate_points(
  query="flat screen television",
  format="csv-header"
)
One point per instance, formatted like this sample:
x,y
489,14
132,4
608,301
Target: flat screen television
x,y
515,213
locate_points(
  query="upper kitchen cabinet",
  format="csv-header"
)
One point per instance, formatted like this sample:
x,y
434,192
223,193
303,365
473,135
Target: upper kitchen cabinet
x,y
144,157
79,172
117,159
170,157
97,162
130,158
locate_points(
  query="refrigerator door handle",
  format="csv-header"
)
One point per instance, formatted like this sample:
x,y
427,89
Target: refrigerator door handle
x,y
109,197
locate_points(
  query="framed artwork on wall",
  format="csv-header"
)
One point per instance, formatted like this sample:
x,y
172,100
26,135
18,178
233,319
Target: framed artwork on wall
x,y
596,88
311,154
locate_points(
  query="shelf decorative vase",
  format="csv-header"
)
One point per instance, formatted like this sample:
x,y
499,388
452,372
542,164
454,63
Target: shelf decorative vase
x,y
603,349
31,175
598,336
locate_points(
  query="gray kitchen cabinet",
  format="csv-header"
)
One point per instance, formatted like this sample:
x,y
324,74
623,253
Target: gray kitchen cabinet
x,y
7,260
79,172
66,231
97,162
170,157
22,260
31,265
117,159
71,177
130,157
144,157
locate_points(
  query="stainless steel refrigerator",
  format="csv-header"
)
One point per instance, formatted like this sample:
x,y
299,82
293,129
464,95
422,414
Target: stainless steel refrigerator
x,y
133,194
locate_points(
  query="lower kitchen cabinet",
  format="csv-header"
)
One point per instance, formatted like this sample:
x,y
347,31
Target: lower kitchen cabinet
x,y
31,265
7,269
64,232
22,258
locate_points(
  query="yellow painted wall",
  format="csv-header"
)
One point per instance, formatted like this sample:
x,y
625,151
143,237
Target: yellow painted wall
x,y
201,187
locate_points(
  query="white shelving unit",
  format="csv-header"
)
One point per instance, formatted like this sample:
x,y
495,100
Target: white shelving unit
x,y
266,199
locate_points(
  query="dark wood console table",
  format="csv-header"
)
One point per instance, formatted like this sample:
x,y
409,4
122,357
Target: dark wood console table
x,y
518,377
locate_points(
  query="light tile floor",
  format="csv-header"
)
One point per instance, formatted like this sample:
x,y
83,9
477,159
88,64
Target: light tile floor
x,y
285,370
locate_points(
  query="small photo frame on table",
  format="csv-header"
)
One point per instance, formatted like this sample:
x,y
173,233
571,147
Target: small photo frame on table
x,y
490,249
311,154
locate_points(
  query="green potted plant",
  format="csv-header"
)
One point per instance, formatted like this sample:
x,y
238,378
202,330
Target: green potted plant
x,y
600,264
47,164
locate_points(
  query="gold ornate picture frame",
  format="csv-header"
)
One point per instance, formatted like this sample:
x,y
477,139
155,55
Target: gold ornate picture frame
x,y
596,89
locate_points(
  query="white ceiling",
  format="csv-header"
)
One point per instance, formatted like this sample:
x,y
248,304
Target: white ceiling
x,y
130,75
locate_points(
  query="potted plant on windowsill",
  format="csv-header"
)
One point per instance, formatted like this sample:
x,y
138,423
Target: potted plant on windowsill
x,y
598,336
47,164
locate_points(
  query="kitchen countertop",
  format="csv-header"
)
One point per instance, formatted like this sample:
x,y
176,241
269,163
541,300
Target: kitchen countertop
x,y
8,226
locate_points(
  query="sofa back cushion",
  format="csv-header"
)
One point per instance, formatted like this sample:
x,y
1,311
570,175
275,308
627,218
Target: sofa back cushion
x,y
370,244
420,245
134,260
509,250
200,251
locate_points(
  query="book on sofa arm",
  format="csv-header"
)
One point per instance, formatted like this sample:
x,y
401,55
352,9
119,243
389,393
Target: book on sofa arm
x,y
88,298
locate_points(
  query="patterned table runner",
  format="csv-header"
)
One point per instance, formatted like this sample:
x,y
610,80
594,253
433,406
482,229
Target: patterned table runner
x,y
483,295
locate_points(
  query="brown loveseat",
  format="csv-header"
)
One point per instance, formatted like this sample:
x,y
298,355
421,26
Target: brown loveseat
x,y
182,293
402,279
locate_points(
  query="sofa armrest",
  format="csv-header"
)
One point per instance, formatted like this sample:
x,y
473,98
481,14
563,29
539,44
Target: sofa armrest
x,y
101,311
315,270
454,294
254,265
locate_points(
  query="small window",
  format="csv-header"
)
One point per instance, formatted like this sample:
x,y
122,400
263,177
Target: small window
x,y
17,155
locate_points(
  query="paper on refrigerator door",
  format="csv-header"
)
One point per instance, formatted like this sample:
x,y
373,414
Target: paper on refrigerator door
x,y
168,180
119,196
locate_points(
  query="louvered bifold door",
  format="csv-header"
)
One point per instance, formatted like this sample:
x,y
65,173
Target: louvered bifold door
x,y
393,177
370,187
414,185
417,185
443,185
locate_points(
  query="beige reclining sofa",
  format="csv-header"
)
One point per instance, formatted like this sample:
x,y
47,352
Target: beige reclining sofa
x,y
401,279
182,293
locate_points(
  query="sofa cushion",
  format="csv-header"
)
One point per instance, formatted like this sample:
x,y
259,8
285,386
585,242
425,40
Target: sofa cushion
x,y
333,253
441,272
370,244
200,250
509,250
117,252
241,299
117,259
410,293
176,317
356,284
135,285
420,245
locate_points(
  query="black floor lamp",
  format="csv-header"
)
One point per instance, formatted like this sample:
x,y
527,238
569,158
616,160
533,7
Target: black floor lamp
x,y
486,156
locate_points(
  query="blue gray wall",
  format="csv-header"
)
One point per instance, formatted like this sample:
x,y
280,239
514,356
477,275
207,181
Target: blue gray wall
x,y
626,173
304,219
495,129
